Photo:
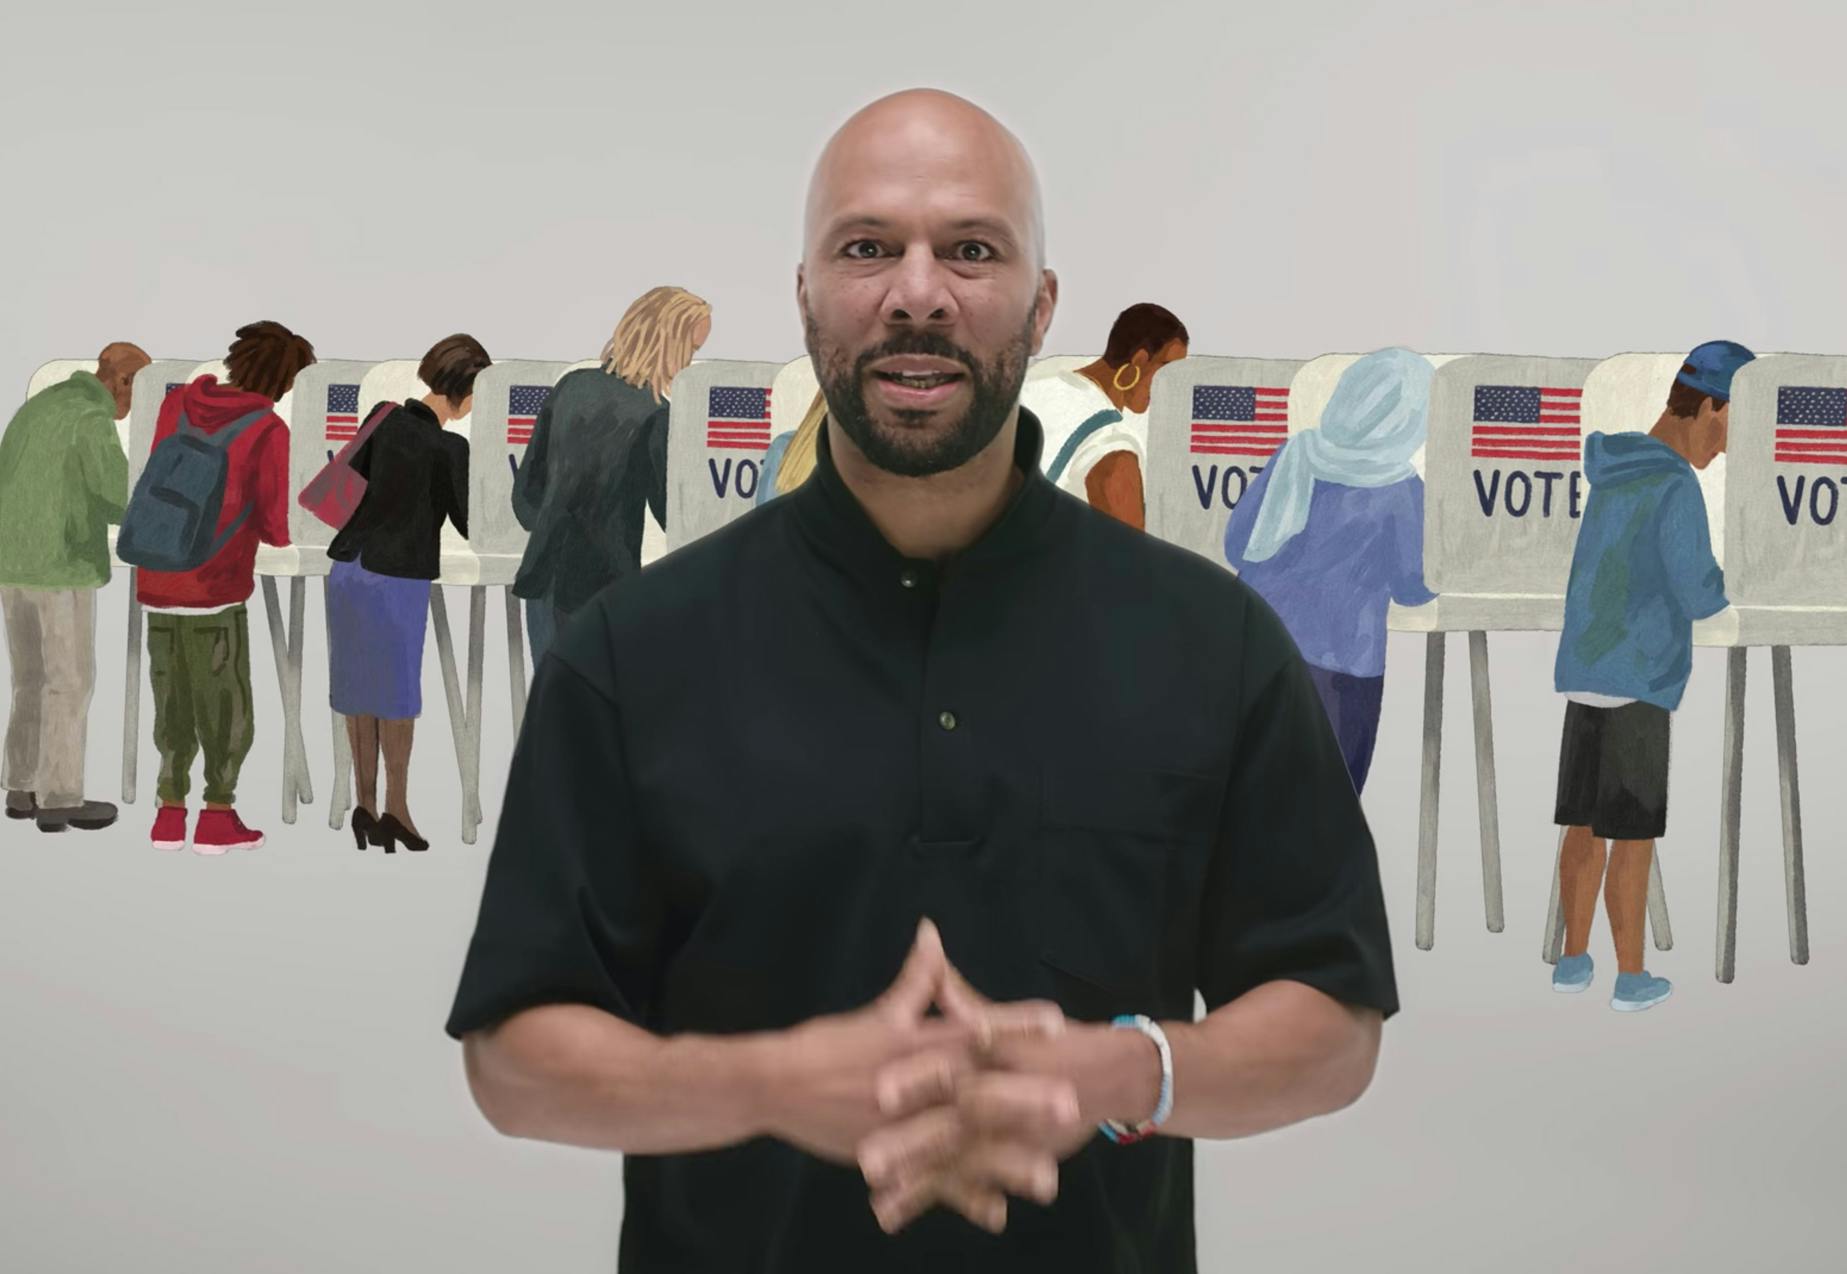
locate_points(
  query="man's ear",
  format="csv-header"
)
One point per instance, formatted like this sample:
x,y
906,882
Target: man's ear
x,y
1045,304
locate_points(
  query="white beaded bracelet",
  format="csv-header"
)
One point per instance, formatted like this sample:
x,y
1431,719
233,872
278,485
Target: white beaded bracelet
x,y
1120,1133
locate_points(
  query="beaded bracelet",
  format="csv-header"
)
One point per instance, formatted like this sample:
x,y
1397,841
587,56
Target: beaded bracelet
x,y
1120,1133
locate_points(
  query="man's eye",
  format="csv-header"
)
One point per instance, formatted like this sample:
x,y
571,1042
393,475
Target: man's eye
x,y
870,249
973,251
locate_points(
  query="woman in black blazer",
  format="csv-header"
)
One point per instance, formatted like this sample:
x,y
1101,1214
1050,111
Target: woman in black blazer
x,y
378,593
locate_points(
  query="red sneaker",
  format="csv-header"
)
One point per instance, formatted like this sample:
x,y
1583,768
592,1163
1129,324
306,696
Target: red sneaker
x,y
219,830
169,828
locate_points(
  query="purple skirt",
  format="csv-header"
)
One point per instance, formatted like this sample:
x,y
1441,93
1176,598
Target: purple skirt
x,y
375,628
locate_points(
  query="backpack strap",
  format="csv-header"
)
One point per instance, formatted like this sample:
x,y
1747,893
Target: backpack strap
x,y
1102,420
229,434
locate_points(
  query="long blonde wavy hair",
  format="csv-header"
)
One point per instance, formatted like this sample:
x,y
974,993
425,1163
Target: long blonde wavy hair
x,y
654,341
799,457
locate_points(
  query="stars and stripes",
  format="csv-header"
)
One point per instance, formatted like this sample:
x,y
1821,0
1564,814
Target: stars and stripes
x,y
1811,425
342,413
1527,422
1238,420
737,418
523,404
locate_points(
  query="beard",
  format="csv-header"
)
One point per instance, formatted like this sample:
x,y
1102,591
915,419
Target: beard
x,y
906,453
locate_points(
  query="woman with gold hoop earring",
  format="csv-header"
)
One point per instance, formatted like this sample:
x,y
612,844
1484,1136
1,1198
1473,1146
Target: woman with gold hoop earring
x,y
1095,417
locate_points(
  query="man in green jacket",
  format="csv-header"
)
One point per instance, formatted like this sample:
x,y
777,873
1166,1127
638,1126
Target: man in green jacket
x,y
63,482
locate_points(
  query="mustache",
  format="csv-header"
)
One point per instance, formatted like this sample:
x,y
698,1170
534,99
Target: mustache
x,y
927,344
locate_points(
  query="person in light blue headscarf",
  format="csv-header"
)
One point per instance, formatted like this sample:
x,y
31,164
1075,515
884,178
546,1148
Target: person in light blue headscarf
x,y
1333,530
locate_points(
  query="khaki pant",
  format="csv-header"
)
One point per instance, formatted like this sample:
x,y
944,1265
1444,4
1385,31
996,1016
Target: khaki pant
x,y
51,642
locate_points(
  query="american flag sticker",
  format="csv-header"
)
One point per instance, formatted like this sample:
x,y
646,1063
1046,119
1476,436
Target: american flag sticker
x,y
523,403
737,419
1811,425
1239,420
342,413
1526,422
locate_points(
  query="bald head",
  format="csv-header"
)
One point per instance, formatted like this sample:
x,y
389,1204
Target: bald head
x,y
117,367
913,140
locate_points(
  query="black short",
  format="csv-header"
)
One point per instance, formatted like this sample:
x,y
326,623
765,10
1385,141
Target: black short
x,y
1612,771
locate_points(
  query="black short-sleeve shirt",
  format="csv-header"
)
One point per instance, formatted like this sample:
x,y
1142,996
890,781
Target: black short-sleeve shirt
x,y
1095,759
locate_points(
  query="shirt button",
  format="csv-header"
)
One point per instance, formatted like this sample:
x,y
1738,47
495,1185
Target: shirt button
x,y
908,579
947,720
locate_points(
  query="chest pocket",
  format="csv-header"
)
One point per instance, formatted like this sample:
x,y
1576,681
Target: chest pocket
x,y
1112,846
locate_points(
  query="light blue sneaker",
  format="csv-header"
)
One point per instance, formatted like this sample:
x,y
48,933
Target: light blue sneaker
x,y
1638,991
1572,973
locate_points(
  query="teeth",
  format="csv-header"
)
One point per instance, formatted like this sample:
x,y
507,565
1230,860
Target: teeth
x,y
920,382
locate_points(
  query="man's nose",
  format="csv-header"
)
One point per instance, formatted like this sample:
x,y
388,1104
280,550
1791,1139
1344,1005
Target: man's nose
x,y
920,294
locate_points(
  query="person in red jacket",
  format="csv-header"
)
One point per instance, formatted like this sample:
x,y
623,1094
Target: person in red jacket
x,y
198,632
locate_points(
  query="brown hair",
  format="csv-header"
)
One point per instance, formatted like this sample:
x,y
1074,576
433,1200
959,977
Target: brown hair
x,y
654,341
1684,400
451,366
265,359
1142,327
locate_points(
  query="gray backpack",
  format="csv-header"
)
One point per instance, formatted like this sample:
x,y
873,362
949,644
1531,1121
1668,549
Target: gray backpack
x,y
171,522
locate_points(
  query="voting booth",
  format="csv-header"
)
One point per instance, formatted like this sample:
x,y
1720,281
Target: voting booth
x,y
718,432
508,398
1503,490
1785,549
1213,424
323,418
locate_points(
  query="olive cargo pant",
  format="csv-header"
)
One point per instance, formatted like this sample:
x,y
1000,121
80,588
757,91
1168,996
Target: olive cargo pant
x,y
200,668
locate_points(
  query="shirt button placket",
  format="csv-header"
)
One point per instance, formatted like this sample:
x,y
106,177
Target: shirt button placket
x,y
947,720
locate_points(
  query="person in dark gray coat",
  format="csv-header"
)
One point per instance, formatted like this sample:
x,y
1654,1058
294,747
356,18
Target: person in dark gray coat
x,y
582,486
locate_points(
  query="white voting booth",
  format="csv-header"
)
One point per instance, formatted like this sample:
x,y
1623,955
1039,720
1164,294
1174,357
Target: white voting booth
x,y
1213,423
1310,394
1786,579
508,397
719,427
324,418
1504,489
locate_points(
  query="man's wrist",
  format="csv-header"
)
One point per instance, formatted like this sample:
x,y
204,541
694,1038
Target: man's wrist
x,y
1133,1071
760,1066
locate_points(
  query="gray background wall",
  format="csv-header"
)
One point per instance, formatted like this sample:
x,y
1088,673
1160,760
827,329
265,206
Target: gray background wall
x,y
235,1065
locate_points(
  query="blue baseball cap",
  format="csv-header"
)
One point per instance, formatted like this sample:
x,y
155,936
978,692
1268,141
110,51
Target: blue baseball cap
x,y
1710,367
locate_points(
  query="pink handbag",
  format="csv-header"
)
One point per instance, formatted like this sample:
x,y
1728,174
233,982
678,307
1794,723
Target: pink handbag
x,y
333,493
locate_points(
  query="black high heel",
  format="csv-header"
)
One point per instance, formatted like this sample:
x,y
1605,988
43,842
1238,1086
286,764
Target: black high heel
x,y
391,830
365,828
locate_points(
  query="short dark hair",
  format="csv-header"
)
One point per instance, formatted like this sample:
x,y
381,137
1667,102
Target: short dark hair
x,y
1142,327
1684,400
266,357
451,366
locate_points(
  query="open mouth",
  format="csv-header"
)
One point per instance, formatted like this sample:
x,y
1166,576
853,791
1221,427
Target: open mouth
x,y
911,380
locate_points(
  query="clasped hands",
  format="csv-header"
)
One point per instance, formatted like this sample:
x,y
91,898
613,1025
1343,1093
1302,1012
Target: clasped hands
x,y
963,1109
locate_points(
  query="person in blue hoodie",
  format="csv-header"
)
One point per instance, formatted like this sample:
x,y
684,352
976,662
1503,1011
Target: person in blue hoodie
x,y
1642,572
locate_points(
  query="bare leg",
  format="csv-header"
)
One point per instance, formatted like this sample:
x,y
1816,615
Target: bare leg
x,y
1580,872
395,738
1625,896
362,733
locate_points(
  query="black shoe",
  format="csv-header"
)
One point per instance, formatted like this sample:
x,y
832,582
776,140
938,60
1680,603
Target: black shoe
x,y
14,809
365,828
391,830
90,816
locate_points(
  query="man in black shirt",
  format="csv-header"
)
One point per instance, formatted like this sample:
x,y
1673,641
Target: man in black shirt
x,y
924,684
